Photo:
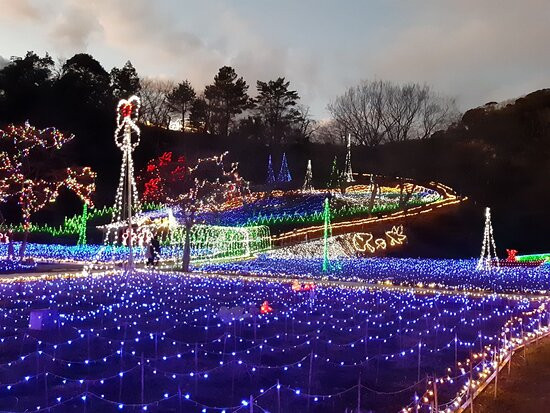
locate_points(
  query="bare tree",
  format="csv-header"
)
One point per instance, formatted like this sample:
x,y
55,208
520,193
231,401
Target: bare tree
x,y
307,126
360,111
154,104
329,131
378,111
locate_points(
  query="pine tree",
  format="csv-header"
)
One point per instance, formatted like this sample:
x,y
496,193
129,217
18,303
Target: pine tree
x,y
180,99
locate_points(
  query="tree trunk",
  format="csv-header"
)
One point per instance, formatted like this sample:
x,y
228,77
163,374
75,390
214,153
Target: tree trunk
x,y
186,249
372,197
23,246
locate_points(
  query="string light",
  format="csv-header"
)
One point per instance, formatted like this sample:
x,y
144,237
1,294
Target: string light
x,y
34,193
270,173
126,199
308,181
348,172
488,258
284,172
172,321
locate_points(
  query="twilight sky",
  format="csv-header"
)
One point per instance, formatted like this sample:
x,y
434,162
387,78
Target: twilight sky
x,y
476,50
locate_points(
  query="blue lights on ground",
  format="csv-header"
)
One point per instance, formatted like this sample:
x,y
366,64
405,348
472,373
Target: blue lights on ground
x,y
166,329
453,273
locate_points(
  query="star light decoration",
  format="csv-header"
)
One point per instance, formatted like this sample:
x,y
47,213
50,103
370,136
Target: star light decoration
x,y
23,172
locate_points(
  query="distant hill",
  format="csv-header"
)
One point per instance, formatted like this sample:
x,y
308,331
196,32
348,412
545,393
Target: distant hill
x,y
499,156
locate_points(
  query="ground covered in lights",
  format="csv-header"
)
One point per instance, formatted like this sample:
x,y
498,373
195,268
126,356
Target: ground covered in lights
x,y
167,342
460,274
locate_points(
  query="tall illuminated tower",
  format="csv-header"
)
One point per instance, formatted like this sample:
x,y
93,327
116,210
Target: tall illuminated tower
x,y
126,201
308,182
348,172
488,257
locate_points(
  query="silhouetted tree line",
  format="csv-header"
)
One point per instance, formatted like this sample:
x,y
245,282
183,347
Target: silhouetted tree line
x,y
79,88
497,155
79,96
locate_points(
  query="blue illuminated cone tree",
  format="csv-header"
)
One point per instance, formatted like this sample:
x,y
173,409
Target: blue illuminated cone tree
x,y
284,172
270,173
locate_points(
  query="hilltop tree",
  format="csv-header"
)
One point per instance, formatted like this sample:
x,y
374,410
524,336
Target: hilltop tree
x,y
180,99
155,109
24,83
198,115
276,107
84,84
27,175
226,97
125,81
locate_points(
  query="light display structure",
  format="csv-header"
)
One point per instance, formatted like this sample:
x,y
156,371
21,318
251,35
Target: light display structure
x,y
488,258
212,242
126,201
308,182
327,233
284,172
270,172
348,172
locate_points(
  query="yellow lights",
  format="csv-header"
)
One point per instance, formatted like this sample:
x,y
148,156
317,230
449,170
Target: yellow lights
x,y
447,199
365,242
486,371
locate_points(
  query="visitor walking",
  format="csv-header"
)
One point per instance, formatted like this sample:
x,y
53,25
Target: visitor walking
x,y
149,254
155,244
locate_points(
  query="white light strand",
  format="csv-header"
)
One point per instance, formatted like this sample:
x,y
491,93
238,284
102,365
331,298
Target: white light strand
x,y
127,113
348,172
488,258
308,183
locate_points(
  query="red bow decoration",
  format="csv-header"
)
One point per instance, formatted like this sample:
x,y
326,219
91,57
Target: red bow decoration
x,y
265,308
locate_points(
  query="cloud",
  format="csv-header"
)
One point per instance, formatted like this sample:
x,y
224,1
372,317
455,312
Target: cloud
x,y
477,55
477,51
73,28
19,9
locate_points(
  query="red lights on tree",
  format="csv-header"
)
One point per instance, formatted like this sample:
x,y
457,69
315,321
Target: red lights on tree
x,y
159,179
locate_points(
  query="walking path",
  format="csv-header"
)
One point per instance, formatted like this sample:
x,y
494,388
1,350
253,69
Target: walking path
x,y
526,390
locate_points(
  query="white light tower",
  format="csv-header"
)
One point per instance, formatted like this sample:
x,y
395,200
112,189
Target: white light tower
x,y
126,201
348,172
488,257
308,182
